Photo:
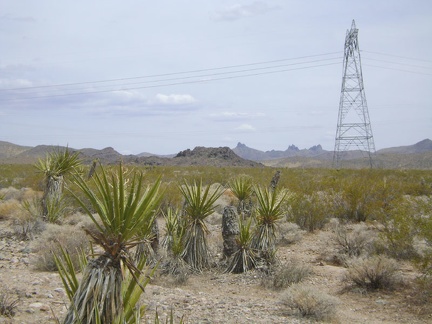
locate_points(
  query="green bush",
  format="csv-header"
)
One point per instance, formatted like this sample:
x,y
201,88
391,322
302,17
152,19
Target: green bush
x,y
310,212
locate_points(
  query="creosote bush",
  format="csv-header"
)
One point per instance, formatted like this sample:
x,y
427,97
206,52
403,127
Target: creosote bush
x,y
310,212
377,272
308,301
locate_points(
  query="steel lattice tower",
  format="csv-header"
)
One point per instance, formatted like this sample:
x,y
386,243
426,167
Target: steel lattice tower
x,y
354,128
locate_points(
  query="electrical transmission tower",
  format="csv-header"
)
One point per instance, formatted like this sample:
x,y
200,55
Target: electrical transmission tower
x,y
354,128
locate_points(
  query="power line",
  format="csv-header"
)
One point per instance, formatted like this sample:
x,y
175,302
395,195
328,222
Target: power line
x,y
394,69
53,89
173,73
399,56
176,83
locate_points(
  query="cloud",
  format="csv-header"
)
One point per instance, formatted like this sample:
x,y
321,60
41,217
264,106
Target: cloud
x,y
232,115
25,19
174,99
238,11
246,127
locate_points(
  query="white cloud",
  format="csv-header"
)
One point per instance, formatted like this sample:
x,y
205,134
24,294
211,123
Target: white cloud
x,y
238,11
175,99
245,127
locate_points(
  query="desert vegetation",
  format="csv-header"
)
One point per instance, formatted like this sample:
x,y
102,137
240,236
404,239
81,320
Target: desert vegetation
x,y
376,224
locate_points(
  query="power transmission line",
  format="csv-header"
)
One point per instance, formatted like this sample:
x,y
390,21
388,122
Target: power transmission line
x,y
172,73
177,83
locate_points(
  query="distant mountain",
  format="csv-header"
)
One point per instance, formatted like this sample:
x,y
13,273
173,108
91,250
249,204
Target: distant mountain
x,y
222,156
8,149
211,156
256,155
420,147
417,156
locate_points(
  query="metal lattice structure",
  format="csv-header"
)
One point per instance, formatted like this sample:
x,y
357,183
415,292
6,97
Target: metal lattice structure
x,y
354,129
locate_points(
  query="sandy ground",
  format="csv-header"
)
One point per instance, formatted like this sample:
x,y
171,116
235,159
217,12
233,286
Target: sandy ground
x,y
214,296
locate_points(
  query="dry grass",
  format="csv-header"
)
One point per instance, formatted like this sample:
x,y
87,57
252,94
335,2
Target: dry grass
x,y
287,274
377,272
71,238
308,301
8,304
289,233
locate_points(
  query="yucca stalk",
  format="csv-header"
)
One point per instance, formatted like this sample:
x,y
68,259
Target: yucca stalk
x,y
268,211
199,204
124,208
242,189
244,259
56,165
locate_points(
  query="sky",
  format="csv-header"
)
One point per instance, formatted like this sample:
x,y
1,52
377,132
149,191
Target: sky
x,y
164,76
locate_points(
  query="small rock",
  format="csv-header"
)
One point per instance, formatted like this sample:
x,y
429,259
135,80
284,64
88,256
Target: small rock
x,y
26,261
381,301
59,290
36,305
14,260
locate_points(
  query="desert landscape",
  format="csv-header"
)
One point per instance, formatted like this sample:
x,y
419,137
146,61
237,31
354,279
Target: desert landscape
x,y
349,246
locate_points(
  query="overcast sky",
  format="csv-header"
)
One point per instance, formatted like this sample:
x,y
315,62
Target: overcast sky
x,y
163,76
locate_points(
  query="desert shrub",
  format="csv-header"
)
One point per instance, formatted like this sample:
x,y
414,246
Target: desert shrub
x,y
28,222
400,221
377,272
310,302
8,303
423,294
354,242
70,238
287,274
311,211
289,233
357,195
424,235
9,209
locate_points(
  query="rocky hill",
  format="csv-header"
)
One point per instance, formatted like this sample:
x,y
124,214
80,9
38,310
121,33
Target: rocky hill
x,y
222,156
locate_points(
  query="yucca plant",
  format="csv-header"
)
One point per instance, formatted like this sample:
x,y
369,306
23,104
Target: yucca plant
x,y
56,165
124,208
173,227
244,259
242,189
199,204
268,212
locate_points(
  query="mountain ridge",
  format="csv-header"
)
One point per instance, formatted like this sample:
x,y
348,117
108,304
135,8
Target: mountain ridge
x,y
418,155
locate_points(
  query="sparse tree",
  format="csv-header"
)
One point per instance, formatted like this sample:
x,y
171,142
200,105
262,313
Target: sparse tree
x,y
56,165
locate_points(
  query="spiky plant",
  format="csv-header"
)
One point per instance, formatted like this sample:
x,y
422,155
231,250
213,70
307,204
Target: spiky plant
x,y
242,189
244,259
132,311
124,208
267,213
173,227
56,165
199,204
